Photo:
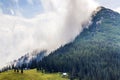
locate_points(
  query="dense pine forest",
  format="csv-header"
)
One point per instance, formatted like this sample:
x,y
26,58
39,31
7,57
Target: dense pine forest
x,y
94,54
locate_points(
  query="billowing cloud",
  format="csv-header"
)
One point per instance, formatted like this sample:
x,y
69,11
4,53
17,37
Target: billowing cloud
x,y
60,23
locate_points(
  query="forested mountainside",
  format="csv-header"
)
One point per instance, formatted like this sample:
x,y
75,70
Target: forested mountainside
x,y
94,54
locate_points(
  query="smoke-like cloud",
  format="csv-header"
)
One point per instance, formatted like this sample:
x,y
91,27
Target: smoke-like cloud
x,y
60,23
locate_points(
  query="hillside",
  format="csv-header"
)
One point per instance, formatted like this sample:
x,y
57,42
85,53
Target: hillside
x,y
28,61
94,54
30,75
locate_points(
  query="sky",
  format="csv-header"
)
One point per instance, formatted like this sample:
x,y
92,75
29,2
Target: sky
x,y
112,4
26,25
30,8
25,8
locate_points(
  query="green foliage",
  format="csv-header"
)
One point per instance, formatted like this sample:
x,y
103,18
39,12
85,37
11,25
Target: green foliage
x,y
30,75
94,54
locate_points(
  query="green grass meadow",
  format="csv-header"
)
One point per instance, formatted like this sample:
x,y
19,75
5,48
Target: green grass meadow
x,y
30,75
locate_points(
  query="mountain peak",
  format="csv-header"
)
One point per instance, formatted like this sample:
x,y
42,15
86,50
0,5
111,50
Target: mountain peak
x,y
106,13
94,54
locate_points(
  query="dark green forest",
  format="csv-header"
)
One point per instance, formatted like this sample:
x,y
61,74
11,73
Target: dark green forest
x,y
93,55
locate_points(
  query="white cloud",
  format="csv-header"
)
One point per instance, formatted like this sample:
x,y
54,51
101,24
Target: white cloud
x,y
117,9
60,24
30,2
1,11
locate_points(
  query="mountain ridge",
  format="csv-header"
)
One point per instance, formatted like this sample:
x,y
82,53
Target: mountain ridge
x,y
94,54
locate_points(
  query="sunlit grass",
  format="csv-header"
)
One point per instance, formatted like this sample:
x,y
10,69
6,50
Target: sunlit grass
x,y
30,75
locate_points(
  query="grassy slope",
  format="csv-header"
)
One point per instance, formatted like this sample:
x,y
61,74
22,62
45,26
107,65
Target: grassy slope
x,y
30,75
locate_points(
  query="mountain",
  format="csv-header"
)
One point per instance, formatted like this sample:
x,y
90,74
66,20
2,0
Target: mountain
x,y
94,54
28,61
